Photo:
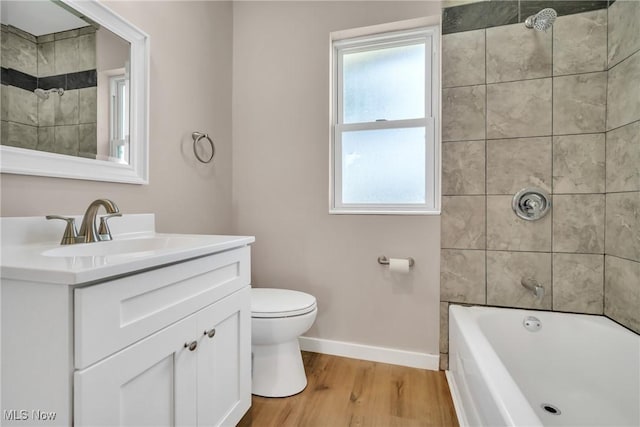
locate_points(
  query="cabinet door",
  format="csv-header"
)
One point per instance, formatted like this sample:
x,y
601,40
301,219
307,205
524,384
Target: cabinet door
x,y
151,383
224,361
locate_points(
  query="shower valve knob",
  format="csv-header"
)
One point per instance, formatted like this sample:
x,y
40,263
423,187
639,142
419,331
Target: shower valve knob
x,y
531,203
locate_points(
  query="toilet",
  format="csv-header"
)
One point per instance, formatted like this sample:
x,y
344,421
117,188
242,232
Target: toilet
x,y
278,318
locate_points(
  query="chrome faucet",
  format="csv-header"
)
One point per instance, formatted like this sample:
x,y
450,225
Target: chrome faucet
x,y
89,232
532,284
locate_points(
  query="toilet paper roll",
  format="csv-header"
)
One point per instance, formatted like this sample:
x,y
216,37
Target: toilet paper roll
x,y
399,265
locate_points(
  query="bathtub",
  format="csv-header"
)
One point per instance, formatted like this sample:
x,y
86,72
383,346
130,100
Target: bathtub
x,y
552,369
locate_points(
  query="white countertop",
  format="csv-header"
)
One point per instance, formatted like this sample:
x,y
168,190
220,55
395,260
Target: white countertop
x,y
23,257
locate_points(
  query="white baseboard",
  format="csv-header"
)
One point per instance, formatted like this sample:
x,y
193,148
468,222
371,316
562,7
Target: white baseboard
x,y
375,354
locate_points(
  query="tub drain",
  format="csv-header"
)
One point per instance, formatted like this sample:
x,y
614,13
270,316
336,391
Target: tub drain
x,y
553,410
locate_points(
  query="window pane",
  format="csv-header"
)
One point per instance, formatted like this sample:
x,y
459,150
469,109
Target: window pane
x,y
384,166
384,84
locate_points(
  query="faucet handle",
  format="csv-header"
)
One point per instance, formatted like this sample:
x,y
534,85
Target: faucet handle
x,y
103,232
70,235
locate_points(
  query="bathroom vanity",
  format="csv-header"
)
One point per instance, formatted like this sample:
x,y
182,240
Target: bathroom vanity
x,y
147,329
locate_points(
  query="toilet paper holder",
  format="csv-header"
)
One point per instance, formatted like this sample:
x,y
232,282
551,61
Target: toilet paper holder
x,y
385,261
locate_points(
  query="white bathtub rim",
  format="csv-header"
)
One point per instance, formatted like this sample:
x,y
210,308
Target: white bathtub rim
x,y
514,407
461,414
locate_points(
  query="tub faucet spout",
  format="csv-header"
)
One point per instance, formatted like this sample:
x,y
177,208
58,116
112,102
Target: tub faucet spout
x,y
88,230
533,285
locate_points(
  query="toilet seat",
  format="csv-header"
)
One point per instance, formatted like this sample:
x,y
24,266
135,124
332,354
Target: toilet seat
x,y
273,303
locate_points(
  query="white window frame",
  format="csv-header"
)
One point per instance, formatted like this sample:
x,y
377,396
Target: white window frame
x,y
397,34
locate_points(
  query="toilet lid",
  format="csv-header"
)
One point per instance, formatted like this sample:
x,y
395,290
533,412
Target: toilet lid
x,y
269,302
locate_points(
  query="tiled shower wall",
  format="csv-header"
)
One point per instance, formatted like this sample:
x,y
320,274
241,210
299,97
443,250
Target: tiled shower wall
x,y
522,108
622,229
61,124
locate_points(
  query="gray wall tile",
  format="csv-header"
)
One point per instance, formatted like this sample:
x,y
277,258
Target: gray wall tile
x,y
66,108
506,231
22,106
87,102
505,270
66,140
19,53
463,56
66,34
516,53
579,103
586,100
623,224
47,110
4,132
623,158
463,113
66,57
624,37
462,276
519,109
46,139
622,291
444,362
463,222
579,163
21,33
578,223
87,140
580,43
444,327
578,283
4,104
22,136
46,59
513,164
86,52
463,167
46,38
623,92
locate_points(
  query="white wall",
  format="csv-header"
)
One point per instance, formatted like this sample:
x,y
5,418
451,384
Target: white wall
x,y
280,181
190,90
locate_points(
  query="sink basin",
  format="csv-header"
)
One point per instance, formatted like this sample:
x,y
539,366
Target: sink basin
x,y
31,252
121,247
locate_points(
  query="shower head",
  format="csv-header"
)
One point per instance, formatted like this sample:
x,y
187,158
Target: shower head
x,y
44,94
542,20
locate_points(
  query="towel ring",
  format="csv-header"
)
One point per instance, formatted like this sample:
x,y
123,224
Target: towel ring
x,y
197,136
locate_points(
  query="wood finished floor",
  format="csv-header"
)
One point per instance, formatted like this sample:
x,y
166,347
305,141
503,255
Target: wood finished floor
x,y
350,392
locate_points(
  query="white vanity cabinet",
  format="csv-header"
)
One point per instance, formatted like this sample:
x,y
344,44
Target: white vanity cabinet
x,y
161,347
161,380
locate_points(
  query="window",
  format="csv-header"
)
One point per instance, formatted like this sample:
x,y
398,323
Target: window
x,y
385,156
119,118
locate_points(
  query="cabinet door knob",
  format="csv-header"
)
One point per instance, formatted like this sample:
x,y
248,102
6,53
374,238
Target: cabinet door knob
x,y
210,333
191,345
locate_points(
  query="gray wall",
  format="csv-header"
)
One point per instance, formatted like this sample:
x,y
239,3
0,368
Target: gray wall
x,y
188,92
524,108
281,179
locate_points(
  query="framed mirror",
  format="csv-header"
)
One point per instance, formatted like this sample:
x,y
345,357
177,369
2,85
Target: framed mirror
x,y
75,90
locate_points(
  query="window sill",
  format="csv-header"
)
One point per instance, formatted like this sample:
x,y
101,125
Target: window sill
x,y
381,212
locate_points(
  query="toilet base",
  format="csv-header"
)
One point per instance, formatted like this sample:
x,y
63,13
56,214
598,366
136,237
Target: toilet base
x,y
277,369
